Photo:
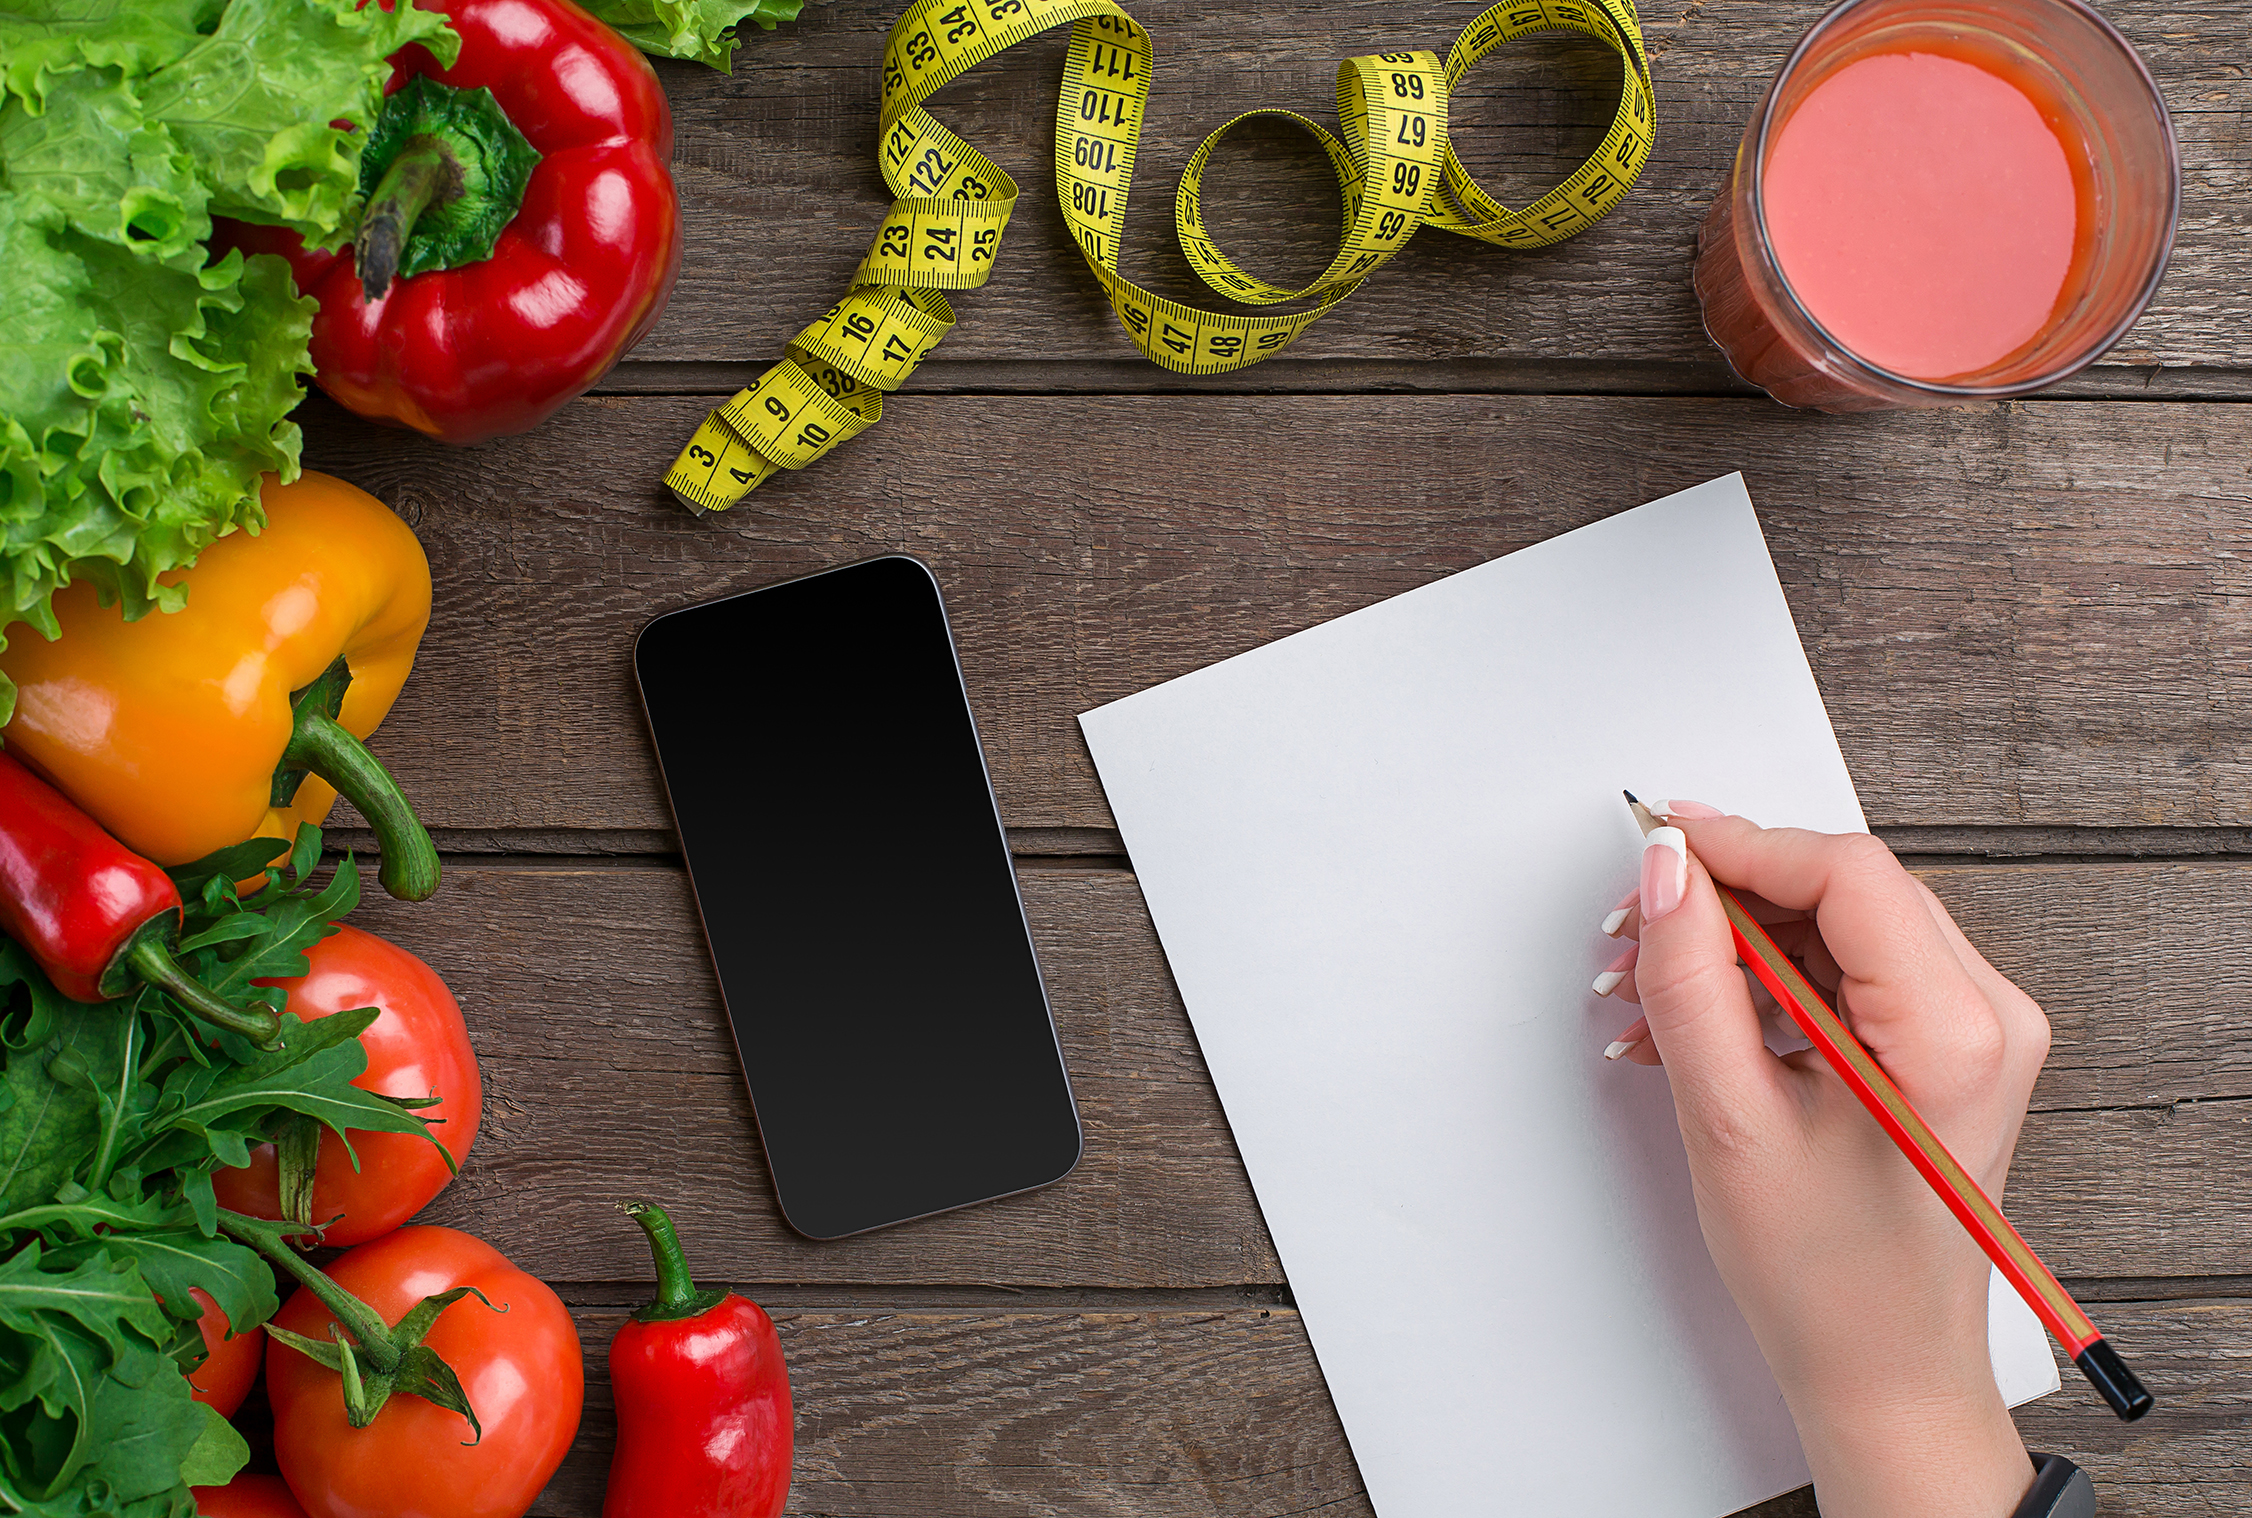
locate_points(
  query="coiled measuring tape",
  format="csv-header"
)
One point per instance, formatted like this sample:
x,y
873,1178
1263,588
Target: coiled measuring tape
x,y
1395,166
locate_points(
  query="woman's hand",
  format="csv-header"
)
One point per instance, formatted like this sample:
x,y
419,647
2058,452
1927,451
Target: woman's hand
x,y
1867,1297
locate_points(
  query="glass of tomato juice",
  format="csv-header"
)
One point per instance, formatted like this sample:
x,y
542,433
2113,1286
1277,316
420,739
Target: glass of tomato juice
x,y
1940,201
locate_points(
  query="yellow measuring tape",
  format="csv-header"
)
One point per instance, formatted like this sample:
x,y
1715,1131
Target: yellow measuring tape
x,y
1395,166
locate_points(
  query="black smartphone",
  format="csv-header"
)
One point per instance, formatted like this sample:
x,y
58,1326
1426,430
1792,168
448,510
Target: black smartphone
x,y
855,885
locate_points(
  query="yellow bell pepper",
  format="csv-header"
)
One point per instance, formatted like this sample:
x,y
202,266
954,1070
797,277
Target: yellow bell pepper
x,y
241,714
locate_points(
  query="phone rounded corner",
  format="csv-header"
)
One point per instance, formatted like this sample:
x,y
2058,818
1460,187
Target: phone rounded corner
x,y
1078,1147
1078,1152
641,636
789,1221
928,573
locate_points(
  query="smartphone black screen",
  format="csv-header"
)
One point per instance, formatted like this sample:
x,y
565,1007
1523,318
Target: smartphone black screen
x,y
856,888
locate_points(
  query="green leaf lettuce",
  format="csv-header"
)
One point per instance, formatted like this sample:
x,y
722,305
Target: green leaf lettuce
x,y
144,385
704,31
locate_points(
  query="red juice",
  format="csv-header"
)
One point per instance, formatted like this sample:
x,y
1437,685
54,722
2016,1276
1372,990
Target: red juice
x,y
1923,212
1939,201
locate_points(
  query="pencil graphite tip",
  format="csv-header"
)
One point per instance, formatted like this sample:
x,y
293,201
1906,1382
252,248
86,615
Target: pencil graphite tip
x,y
1643,817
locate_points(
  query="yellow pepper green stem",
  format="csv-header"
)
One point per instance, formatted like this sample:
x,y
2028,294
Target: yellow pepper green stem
x,y
319,745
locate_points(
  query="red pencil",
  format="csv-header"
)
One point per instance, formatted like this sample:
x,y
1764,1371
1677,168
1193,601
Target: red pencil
x,y
1854,1065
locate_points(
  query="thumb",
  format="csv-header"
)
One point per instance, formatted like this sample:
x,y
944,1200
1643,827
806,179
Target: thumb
x,y
1699,1008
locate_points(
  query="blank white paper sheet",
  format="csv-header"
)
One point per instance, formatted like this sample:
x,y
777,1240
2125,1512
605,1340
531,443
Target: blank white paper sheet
x,y
1378,853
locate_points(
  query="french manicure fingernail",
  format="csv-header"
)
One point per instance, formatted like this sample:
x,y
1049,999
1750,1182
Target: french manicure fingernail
x,y
1617,919
1630,1039
1615,971
1665,872
1692,811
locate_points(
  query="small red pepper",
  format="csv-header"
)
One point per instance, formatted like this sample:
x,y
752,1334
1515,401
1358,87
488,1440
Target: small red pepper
x,y
521,229
94,914
703,1397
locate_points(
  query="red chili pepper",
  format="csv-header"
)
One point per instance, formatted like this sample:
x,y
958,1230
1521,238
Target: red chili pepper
x,y
530,275
94,914
703,1399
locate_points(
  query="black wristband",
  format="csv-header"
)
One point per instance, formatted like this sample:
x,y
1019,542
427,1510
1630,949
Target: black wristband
x,y
2060,1490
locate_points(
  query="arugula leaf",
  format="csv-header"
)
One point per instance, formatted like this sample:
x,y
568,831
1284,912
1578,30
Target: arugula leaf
x,y
203,1108
93,1399
240,862
295,919
55,1122
106,1297
112,1119
219,1452
177,1259
704,31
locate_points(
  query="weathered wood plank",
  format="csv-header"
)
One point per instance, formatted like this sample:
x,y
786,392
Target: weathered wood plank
x,y
1171,1414
609,1073
1503,375
777,173
964,1414
2029,614
2192,1456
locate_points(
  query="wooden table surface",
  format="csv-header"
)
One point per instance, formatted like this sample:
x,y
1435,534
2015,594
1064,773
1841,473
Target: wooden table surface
x,y
2029,621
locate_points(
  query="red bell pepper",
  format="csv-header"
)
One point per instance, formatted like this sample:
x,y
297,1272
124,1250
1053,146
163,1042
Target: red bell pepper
x,y
704,1427
95,915
515,243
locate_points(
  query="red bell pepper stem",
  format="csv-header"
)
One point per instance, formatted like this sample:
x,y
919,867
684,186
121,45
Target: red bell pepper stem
x,y
95,915
425,173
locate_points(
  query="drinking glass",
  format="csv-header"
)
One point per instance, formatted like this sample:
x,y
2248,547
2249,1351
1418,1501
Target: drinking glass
x,y
2117,137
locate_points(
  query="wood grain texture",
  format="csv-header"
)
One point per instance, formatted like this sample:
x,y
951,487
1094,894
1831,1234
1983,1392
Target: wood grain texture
x,y
609,1073
1162,1414
2030,614
777,174
1223,1414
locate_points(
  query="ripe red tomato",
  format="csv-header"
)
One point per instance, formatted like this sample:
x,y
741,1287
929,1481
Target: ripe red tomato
x,y
248,1496
417,1048
520,1368
230,1361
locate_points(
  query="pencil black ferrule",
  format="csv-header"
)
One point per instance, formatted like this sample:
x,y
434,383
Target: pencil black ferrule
x,y
2109,1375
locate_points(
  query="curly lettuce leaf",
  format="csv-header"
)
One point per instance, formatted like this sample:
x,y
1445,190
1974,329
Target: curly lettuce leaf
x,y
92,155
39,41
274,105
142,401
704,31
144,391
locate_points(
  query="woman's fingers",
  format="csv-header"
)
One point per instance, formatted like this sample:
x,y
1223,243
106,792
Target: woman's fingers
x,y
1901,983
1693,996
1617,977
1631,1037
1625,919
